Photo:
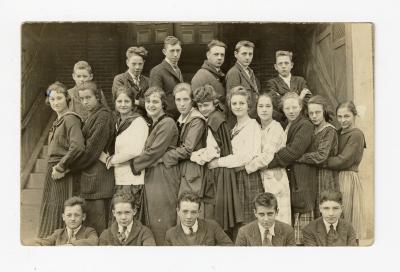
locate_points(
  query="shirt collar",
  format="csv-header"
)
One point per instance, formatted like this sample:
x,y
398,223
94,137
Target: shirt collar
x,y
167,60
286,79
328,225
195,227
135,78
271,230
181,120
69,231
128,228
244,68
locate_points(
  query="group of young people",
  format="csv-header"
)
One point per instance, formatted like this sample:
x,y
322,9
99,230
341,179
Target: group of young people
x,y
207,163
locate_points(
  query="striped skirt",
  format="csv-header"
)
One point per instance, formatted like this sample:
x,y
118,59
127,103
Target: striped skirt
x,y
353,201
249,186
327,181
300,221
55,192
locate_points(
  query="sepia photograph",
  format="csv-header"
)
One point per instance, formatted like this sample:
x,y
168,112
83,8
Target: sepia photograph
x,y
189,133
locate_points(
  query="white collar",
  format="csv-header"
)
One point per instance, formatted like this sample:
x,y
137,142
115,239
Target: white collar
x,y
286,79
69,231
327,225
195,227
181,120
128,228
134,78
262,230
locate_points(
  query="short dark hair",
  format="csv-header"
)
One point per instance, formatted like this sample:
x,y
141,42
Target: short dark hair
x,y
91,85
348,105
267,200
160,92
124,197
320,100
215,43
75,200
171,40
128,91
189,197
205,93
243,43
57,87
330,195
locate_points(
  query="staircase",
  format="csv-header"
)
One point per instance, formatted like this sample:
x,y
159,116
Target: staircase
x,y
31,197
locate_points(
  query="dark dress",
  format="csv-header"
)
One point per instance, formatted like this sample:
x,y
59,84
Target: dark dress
x,y
66,144
219,191
161,183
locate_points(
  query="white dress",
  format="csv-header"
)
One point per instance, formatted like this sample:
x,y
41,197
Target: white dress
x,y
275,181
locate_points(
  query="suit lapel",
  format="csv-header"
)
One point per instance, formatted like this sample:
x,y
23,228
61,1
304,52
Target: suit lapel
x,y
201,232
64,236
255,234
246,77
133,234
277,239
342,233
283,84
168,67
321,232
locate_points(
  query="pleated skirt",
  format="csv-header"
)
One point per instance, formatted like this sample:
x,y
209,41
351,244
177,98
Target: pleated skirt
x,y
55,192
353,201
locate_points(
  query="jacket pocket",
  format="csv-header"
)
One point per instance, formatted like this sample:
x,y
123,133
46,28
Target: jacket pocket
x,y
88,182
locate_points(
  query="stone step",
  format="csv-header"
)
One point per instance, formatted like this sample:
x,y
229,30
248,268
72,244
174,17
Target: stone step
x,y
40,166
36,181
29,221
43,153
31,196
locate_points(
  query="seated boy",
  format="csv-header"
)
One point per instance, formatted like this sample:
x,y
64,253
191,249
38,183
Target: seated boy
x,y
193,231
74,233
286,82
126,231
82,73
265,230
330,229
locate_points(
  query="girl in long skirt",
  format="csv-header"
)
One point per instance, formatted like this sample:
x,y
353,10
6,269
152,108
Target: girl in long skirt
x,y
246,144
351,149
324,144
131,134
219,189
273,138
65,145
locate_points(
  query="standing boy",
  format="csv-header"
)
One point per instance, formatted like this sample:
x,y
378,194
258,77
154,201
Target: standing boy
x,y
126,230
330,229
167,74
266,230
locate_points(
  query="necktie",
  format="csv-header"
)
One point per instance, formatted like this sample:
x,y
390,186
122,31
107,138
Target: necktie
x,y
178,72
122,235
191,230
266,241
72,237
331,235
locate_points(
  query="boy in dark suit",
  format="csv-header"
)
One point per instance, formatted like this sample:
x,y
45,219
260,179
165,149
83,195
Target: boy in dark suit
x,y
330,229
126,230
286,82
265,230
193,231
74,233
242,75
167,74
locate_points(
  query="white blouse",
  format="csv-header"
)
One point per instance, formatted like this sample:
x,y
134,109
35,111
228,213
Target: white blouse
x,y
206,154
246,144
129,144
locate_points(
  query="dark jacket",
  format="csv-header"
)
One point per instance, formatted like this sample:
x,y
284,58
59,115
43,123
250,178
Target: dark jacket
x,y
209,233
86,236
139,236
166,78
207,74
249,235
315,234
302,177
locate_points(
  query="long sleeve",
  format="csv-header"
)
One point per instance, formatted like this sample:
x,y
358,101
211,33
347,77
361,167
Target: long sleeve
x,y
275,139
290,239
245,147
96,141
206,154
350,153
134,139
49,240
323,150
76,143
232,80
148,238
221,238
104,238
296,148
195,131
241,239
164,134
91,238
309,238
155,78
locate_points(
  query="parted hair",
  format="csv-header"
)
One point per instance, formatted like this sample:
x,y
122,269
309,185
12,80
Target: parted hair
x,y
329,195
189,197
124,90
267,200
205,93
82,65
291,95
320,100
215,43
171,40
349,105
243,43
91,85
124,197
281,53
57,87
134,50
75,200
160,92
240,90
